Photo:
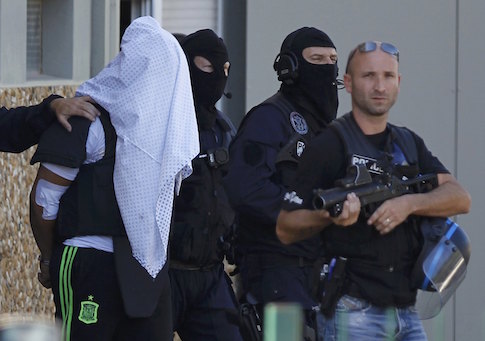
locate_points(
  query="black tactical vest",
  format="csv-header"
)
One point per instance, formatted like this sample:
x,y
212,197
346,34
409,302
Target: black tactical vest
x,y
89,206
202,215
401,148
302,128
379,265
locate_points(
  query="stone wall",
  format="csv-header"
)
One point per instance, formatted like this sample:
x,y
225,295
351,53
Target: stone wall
x,y
20,291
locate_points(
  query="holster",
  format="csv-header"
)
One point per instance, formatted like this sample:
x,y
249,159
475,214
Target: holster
x,y
251,322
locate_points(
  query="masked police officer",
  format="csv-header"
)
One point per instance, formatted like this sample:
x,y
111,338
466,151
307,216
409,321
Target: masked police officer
x,y
202,295
264,157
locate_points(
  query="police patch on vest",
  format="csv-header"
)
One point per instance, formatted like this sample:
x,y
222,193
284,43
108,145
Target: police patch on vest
x,y
370,163
300,147
89,311
293,197
298,123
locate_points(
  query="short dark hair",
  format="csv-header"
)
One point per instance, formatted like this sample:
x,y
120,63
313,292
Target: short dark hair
x,y
350,57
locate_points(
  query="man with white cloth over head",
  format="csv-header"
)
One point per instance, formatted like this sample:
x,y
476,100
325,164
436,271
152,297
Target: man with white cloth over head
x,y
101,204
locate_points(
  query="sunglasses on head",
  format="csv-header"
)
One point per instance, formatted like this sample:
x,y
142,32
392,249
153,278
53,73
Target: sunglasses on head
x,y
370,46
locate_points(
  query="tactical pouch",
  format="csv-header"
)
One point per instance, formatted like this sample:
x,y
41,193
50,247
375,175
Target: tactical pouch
x,y
216,157
319,274
333,286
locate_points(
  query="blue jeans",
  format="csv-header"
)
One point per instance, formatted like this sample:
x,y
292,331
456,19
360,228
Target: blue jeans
x,y
356,319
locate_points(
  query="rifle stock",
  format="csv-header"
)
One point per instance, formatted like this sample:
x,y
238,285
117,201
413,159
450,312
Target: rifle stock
x,y
369,190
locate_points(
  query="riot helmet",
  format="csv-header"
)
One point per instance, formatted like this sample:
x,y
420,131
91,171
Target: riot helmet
x,y
316,83
441,265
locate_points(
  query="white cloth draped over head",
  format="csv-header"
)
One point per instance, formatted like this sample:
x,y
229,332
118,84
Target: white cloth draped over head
x,y
146,90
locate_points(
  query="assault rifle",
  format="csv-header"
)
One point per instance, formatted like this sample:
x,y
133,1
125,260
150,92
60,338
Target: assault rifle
x,y
370,190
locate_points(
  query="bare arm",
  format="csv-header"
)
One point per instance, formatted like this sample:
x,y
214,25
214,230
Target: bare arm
x,y
293,226
64,108
43,230
448,199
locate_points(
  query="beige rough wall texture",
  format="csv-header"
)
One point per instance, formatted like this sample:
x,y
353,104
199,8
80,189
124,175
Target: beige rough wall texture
x,y
20,291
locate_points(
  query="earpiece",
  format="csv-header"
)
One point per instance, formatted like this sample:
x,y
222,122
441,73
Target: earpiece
x,y
286,67
286,62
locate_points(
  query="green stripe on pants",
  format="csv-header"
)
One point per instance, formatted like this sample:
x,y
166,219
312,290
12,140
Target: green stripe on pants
x,y
65,290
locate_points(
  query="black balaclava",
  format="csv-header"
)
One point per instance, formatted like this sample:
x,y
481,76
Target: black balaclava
x,y
314,84
207,87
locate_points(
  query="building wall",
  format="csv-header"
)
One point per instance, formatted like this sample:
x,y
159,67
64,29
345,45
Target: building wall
x,y
77,39
441,98
188,16
20,292
80,37
470,122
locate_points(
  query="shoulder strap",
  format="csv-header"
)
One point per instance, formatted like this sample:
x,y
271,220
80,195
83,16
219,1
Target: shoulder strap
x,y
406,142
285,107
341,127
228,129
279,101
109,133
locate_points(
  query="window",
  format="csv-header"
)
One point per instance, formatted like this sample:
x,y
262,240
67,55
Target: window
x,y
187,16
132,9
34,37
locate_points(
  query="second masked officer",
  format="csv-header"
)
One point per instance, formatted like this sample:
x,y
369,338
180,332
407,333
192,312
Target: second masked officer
x,y
264,156
201,291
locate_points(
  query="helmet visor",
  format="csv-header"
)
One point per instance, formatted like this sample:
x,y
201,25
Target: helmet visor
x,y
444,269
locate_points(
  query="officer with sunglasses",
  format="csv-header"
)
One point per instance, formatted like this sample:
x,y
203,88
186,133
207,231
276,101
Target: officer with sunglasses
x,y
375,296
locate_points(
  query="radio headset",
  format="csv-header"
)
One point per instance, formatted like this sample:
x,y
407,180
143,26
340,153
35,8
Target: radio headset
x,y
286,62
